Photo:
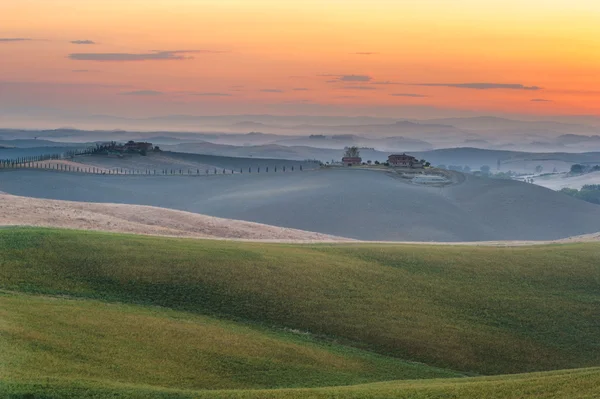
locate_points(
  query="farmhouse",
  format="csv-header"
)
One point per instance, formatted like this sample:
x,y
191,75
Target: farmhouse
x,y
404,160
350,161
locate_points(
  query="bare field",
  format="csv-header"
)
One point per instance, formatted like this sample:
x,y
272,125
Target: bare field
x,y
22,211
147,220
357,204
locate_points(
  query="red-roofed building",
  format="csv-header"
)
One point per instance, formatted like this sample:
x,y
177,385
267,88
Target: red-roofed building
x,y
403,160
350,161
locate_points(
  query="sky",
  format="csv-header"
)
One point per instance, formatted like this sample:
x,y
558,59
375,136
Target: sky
x,y
380,57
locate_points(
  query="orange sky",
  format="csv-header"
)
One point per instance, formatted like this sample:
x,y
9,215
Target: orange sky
x,y
292,56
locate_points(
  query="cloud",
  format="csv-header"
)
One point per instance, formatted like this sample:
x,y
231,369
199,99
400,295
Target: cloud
x,y
271,91
14,39
83,42
127,57
480,86
540,100
355,78
359,88
211,94
300,89
348,78
298,102
386,82
84,70
61,86
364,53
142,93
414,95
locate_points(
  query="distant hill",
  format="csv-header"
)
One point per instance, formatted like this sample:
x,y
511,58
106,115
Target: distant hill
x,y
337,201
475,157
14,153
34,143
495,123
568,139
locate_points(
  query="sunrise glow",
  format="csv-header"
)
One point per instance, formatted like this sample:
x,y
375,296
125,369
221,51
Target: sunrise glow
x,y
227,56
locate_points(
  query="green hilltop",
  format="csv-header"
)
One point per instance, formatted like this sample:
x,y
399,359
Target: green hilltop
x,y
88,314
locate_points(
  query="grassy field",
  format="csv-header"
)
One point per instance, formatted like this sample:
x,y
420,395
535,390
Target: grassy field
x,y
55,338
104,315
570,384
475,309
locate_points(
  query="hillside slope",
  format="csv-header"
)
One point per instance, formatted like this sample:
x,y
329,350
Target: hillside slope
x,y
568,384
184,162
473,309
358,204
22,211
86,340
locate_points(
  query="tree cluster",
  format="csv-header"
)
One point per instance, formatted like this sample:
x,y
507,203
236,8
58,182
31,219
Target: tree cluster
x,y
588,193
579,169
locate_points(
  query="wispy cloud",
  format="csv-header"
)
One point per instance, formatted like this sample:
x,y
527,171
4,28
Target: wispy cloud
x,y
364,53
61,86
271,91
414,95
142,93
359,88
83,42
355,78
211,94
348,78
300,89
540,100
127,57
14,39
297,102
386,83
480,86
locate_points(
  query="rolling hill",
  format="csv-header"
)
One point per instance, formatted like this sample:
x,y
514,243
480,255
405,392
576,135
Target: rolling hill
x,y
22,211
103,315
359,204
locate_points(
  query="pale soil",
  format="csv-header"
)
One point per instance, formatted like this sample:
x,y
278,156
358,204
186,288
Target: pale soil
x,y
137,219
148,220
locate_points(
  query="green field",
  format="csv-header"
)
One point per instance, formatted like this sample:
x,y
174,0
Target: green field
x,y
105,315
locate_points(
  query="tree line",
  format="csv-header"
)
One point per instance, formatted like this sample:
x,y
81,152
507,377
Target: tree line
x,y
588,193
